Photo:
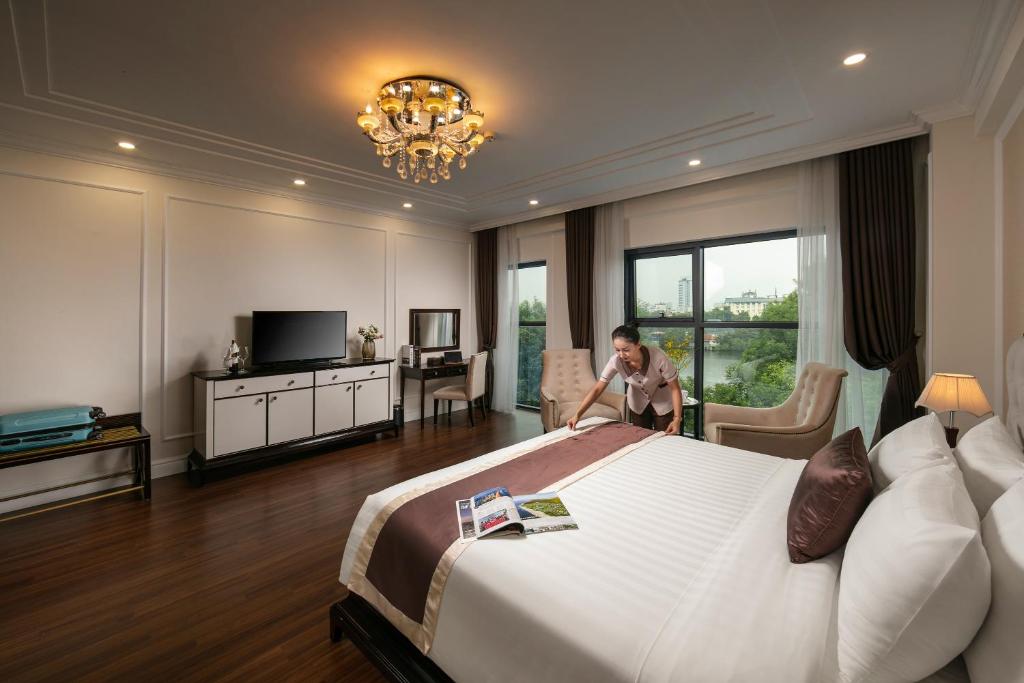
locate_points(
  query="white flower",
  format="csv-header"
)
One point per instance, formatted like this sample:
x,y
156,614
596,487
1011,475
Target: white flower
x,y
369,332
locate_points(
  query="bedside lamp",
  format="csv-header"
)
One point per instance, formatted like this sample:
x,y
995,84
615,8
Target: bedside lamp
x,y
952,392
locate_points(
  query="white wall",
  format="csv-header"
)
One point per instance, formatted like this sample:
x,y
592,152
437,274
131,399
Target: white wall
x,y
429,272
962,295
752,203
118,283
1013,235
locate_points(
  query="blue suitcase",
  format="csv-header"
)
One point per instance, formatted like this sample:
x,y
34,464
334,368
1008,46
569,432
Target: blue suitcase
x,y
53,427
49,437
54,418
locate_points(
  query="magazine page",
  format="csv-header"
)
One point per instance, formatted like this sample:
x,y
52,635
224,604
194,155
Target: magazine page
x,y
499,513
488,513
543,512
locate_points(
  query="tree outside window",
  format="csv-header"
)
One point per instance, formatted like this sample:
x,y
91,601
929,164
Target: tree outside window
x,y
532,331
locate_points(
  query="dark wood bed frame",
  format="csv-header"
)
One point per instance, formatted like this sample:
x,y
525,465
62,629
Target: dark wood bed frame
x,y
391,652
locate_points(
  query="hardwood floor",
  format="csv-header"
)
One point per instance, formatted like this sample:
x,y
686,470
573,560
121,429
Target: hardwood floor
x,y
228,582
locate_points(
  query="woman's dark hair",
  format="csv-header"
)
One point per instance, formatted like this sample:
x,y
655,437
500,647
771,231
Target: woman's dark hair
x,y
627,332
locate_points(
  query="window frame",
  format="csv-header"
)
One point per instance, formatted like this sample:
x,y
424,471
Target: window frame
x,y
696,322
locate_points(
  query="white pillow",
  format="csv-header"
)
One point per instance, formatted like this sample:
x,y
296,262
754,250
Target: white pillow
x,y
991,461
918,443
915,582
997,655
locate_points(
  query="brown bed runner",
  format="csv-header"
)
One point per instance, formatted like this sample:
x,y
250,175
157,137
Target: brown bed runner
x,y
416,535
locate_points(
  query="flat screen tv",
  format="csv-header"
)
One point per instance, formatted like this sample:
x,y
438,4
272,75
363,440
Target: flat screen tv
x,y
294,336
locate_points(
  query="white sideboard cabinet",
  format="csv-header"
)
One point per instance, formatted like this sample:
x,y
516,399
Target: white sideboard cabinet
x,y
268,412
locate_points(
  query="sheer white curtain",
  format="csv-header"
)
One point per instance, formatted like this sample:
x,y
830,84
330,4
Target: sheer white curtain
x,y
506,352
609,245
820,291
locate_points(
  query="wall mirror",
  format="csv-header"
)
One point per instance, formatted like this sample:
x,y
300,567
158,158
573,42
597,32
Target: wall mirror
x,y
434,329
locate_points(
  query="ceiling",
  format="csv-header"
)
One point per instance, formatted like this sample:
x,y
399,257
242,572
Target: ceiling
x,y
589,102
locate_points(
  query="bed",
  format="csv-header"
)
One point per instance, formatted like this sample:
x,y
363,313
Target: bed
x,y
606,626
696,586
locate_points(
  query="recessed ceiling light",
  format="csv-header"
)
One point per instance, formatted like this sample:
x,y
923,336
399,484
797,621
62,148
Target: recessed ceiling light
x,y
694,162
124,144
855,58
534,202
299,181
407,205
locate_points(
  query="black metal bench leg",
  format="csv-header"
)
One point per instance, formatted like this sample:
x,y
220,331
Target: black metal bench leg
x,y
147,471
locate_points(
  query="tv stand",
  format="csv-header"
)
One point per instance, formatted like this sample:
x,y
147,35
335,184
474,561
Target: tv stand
x,y
272,411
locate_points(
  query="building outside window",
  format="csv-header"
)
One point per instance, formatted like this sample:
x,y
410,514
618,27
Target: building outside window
x,y
738,297
533,280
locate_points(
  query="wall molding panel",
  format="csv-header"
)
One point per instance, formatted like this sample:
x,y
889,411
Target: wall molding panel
x,y
172,213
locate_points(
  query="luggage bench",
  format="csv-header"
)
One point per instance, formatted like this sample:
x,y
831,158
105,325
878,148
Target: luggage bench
x,y
119,431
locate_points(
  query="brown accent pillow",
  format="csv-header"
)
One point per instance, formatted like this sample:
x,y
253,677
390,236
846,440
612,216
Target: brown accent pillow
x,y
833,491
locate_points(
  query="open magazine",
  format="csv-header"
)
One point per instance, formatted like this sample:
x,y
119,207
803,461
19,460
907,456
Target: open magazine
x,y
495,512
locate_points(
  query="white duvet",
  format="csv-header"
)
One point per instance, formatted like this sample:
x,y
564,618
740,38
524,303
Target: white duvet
x,y
678,572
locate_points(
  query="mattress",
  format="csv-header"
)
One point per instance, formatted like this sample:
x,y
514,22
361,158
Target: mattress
x,y
679,571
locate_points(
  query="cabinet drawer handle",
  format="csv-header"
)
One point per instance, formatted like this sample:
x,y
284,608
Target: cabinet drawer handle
x,y
291,382
259,401
334,377
240,387
373,372
273,398
348,388
358,387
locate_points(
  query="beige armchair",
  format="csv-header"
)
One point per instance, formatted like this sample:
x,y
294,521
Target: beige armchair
x,y
565,381
796,429
472,391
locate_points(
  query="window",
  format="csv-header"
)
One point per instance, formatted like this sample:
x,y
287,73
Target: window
x,y
533,281
737,298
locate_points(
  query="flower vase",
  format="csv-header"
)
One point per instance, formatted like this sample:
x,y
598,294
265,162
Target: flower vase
x,y
369,349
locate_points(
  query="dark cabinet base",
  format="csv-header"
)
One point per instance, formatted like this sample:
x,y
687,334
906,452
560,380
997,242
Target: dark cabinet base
x,y
198,466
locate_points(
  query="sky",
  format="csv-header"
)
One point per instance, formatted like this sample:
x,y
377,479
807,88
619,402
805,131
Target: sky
x,y
729,271
532,283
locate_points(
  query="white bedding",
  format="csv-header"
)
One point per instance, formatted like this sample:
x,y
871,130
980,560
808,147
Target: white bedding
x,y
698,587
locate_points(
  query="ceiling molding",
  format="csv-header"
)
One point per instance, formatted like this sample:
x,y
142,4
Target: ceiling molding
x,y
25,143
30,26
537,182
36,67
1005,82
943,112
995,19
760,163
771,99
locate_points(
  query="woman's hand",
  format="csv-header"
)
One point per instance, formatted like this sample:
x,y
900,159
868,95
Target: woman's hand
x,y
675,426
571,424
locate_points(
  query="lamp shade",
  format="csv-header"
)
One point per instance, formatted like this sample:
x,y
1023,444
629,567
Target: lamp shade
x,y
949,391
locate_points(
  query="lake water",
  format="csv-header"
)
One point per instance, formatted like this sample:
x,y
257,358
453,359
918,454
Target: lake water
x,y
715,364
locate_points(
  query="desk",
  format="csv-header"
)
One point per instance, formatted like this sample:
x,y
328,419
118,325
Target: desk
x,y
423,373
119,431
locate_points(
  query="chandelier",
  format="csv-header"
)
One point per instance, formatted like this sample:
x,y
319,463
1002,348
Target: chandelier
x,y
423,125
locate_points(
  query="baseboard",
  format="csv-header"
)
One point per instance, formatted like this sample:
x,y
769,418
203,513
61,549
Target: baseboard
x,y
169,467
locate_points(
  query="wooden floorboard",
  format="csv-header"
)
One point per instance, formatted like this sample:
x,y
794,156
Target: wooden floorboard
x,y
228,582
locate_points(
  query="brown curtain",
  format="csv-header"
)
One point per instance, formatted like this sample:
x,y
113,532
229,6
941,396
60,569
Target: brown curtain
x,y
877,236
579,274
487,298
